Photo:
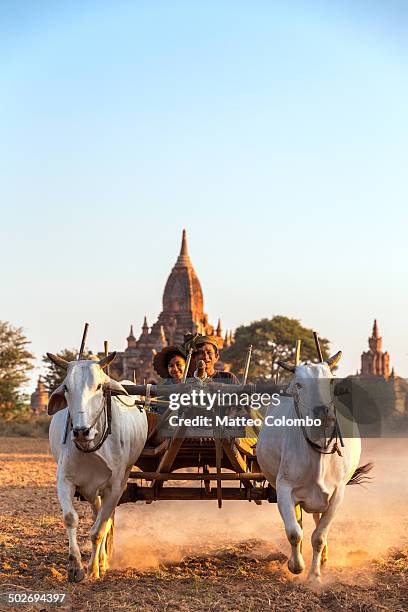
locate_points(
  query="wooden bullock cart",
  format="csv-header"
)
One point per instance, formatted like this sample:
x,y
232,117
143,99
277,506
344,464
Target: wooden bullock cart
x,y
213,467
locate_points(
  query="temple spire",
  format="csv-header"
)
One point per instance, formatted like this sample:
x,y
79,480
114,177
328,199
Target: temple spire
x,y
375,329
131,340
184,250
219,329
375,362
183,258
145,327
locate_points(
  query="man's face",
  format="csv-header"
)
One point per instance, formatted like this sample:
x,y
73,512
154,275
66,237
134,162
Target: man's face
x,y
208,353
176,367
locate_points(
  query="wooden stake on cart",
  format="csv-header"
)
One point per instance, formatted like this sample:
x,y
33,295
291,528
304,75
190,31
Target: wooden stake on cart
x,y
247,362
84,335
317,343
187,366
297,352
218,463
80,355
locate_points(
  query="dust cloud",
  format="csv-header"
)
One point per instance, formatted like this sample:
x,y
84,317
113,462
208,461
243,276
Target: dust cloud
x,y
372,520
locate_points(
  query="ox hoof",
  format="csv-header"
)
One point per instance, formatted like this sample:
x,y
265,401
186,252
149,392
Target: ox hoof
x,y
314,579
295,568
93,574
75,574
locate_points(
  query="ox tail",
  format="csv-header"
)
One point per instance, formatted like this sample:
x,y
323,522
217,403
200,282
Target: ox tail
x,y
360,475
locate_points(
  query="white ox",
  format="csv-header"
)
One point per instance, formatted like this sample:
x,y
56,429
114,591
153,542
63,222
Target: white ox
x,y
100,475
303,465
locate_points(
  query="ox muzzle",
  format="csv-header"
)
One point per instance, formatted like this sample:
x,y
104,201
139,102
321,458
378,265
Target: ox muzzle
x,y
83,435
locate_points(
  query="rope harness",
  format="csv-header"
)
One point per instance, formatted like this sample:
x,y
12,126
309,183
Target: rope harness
x,y
106,408
335,435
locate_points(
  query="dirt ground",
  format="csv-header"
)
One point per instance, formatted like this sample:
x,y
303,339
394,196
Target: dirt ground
x,y
190,556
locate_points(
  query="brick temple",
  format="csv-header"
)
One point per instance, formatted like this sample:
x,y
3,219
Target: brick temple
x,y
183,311
375,362
39,399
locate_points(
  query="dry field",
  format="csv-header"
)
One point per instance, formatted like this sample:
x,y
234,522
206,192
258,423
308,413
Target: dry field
x,y
191,556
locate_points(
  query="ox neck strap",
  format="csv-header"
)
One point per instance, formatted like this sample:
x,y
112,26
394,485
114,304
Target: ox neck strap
x,y
335,435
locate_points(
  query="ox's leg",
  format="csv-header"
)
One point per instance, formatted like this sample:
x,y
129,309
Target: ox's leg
x,y
95,507
103,556
107,544
319,536
325,551
66,491
100,528
103,553
294,531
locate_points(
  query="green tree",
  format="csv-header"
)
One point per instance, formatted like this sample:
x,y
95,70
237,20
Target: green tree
x,y
55,374
15,365
271,339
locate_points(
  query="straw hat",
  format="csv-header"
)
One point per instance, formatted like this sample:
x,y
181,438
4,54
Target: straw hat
x,y
195,340
161,359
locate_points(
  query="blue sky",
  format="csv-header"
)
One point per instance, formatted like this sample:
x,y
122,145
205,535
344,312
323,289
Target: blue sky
x,y
275,132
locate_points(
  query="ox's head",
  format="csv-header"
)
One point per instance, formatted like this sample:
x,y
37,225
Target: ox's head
x,y
312,389
83,393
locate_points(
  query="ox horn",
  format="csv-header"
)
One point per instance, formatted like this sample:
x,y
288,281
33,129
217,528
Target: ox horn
x,y
105,361
58,361
334,360
287,366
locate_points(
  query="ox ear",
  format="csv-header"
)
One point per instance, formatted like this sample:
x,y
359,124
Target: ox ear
x,y
58,361
334,360
105,361
115,387
57,400
287,366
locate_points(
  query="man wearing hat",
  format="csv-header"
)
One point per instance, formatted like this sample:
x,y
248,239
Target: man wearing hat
x,y
205,348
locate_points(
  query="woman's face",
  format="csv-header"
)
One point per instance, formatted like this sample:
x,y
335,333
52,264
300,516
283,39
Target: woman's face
x,y
176,367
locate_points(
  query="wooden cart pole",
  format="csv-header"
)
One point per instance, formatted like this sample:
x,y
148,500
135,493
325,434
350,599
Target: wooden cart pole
x,y
218,463
247,362
84,335
187,366
297,352
106,351
317,343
